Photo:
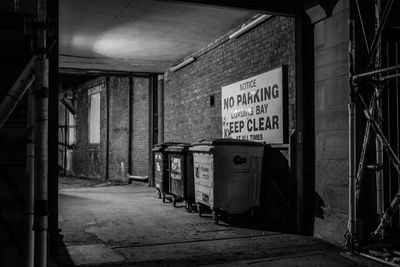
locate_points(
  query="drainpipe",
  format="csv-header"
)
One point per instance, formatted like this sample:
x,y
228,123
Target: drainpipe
x,y
160,108
30,181
41,139
17,91
108,128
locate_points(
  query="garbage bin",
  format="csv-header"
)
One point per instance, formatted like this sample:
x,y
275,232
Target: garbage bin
x,y
181,181
227,176
160,169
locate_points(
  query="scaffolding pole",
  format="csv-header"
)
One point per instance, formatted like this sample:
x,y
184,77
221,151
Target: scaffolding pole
x,y
41,93
17,91
374,114
351,233
30,182
378,98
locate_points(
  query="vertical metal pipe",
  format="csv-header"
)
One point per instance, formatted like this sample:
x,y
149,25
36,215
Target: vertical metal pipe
x,y
107,128
352,167
30,182
352,135
378,143
151,128
41,165
41,140
388,122
130,141
300,74
160,103
65,139
396,47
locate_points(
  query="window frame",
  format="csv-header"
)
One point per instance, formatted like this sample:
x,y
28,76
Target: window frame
x,y
95,90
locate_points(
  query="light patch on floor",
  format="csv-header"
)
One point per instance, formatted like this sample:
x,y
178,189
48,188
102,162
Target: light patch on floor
x,y
93,254
209,227
306,261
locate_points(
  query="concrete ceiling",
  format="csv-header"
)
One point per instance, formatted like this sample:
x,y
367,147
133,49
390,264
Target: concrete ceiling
x,y
138,35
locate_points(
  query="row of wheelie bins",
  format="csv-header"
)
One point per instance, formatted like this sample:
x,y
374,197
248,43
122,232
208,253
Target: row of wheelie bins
x,y
223,176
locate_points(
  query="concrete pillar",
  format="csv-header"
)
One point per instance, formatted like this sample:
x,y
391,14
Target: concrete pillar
x,y
331,121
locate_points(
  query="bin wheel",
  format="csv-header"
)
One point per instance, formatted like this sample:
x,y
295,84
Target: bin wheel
x,y
174,201
188,206
163,198
199,209
215,217
254,212
159,193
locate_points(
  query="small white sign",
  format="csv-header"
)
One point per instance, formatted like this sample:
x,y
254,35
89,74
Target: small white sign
x,y
252,109
176,168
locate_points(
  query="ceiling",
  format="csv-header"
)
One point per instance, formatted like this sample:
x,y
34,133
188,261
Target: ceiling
x,y
138,35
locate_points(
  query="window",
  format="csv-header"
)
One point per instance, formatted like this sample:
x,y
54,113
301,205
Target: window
x,y
94,115
71,129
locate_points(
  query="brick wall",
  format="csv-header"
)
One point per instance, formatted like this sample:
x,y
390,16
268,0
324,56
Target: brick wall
x,y
188,115
119,128
140,138
90,160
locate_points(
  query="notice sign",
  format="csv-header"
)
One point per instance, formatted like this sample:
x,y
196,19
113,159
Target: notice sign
x,y
176,168
252,109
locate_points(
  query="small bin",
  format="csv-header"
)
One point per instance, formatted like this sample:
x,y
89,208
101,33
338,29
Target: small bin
x,y
181,184
160,169
227,176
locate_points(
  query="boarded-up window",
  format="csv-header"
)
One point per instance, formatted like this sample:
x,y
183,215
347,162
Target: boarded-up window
x,y
94,115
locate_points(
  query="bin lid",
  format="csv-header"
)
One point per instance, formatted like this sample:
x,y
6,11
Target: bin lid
x,y
162,146
178,148
202,148
228,141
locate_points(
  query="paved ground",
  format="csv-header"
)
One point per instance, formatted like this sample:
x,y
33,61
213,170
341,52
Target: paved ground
x,y
128,226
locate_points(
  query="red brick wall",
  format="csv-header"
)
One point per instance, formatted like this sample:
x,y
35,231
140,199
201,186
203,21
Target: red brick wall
x,y
188,115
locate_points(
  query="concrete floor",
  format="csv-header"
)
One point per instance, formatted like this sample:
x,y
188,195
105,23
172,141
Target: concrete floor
x,y
127,225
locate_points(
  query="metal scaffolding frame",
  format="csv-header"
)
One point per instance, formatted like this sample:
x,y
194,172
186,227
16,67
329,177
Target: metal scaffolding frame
x,y
378,78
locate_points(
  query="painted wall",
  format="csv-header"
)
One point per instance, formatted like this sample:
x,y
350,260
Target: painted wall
x,y
188,115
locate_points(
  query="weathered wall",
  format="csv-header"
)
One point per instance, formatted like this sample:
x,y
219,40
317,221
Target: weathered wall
x,y
331,122
140,135
188,115
119,128
90,160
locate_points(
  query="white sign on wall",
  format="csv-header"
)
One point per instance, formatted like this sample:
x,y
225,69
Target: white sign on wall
x,y
252,109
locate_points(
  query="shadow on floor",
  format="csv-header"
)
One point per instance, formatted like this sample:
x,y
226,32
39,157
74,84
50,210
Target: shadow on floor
x,y
63,259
